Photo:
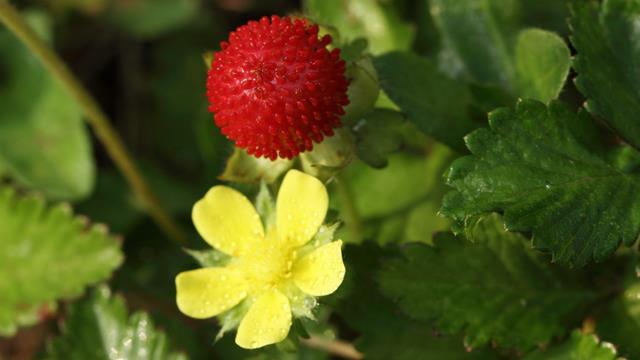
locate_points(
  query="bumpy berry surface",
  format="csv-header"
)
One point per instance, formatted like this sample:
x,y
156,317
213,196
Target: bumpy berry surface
x,y
275,88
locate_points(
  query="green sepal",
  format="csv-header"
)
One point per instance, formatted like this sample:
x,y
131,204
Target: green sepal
x,y
244,168
265,206
209,257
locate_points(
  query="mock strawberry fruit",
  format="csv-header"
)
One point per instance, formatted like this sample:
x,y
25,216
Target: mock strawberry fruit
x,y
275,88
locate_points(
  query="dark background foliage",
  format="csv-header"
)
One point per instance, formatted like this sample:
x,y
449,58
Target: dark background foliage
x,y
143,61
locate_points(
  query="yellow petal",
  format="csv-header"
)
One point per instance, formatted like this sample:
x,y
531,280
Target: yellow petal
x,y
267,321
227,220
207,292
301,207
320,272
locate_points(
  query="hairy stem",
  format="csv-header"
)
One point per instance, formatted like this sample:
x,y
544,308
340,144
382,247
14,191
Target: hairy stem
x,y
94,116
337,348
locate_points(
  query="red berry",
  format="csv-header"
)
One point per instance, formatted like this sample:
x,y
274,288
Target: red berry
x,y
275,88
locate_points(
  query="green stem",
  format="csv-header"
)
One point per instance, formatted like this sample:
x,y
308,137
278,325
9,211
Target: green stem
x,y
94,116
352,218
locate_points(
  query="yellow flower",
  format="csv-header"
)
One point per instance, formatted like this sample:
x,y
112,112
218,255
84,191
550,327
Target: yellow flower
x,y
275,270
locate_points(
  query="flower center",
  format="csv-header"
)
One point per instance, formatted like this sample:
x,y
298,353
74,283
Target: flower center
x,y
268,265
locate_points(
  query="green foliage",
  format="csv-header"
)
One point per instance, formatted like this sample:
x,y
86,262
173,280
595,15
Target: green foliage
x,y
409,212
405,339
380,23
486,56
608,46
379,134
244,168
491,286
364,88
538,188
542,63
621,322
183,130
578,347
43,141
549,171
531,63
437,104
443,107
148,18
46,254
99,327
546,14
386,333
114,203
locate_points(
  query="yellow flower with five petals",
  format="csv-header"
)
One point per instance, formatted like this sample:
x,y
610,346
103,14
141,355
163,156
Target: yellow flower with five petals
x,y
275,271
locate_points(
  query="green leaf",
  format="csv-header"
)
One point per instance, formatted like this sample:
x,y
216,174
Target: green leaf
x,y
149,18
480,34
265,206
384,332
437,104
485,39
378,134
408,340
364,89
407,181
579,347
330,156
620,324
492,286
46,254
43,141
400,202
548,170
608,76
354,50
423,221
427,37
542,64
489,97
99,327
379,23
